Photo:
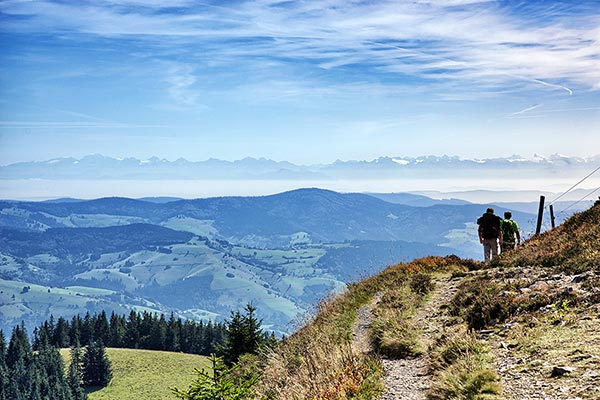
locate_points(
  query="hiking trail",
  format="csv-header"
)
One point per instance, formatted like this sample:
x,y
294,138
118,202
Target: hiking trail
x,y
409,379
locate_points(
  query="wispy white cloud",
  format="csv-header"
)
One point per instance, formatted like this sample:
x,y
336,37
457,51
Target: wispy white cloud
x,y
73,125
180,78
477,43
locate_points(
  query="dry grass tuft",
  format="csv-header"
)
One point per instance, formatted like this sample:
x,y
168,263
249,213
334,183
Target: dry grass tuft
x,y
463,370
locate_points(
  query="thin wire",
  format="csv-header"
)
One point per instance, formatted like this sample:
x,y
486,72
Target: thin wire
x,y
581,199
575,185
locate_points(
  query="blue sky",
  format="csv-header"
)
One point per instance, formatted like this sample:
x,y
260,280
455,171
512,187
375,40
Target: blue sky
x,y
304,81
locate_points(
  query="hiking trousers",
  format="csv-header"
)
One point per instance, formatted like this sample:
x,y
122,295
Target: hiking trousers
x,y
506,247
490,249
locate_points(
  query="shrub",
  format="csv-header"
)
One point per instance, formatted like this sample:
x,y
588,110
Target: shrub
x,y
481,303
421,283
220,383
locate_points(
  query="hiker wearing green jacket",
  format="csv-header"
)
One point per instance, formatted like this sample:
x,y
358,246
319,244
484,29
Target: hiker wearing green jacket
x,y
510,230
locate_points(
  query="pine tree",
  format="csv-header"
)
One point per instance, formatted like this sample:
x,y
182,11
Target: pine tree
x,y
87,329
3,368
159,333
117,330
172,342
132,334
243,334
18,362
96,365
50,380
61,333
101,327
18,347
75,374
219,384
75,331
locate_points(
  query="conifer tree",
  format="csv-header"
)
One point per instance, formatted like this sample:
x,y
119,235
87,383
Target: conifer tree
x,y
96,365
3,368
243,334
101,327
18,347
172,342
75,374
61,333
117,330
75,330
87,329
219,383
18,362
49,380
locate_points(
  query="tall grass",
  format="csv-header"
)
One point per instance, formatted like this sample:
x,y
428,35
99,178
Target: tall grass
x,y
463,370
318,362
572,247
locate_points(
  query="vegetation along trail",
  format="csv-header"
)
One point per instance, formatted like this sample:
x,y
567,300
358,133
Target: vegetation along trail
x,y
409,377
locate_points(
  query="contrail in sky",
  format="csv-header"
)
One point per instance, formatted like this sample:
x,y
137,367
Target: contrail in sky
x,y
523,111
554,86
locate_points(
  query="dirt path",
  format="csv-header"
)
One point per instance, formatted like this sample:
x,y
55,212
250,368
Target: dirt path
x,y
409,379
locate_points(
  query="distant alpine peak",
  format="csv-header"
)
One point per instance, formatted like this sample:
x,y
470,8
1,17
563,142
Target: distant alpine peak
x,y
391,160
99,167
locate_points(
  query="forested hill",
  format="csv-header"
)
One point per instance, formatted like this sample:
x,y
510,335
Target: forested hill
x,y
62,241
349,216
201,258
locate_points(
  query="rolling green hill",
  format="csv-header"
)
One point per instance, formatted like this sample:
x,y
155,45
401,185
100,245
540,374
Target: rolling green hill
x,y
145,374
203,258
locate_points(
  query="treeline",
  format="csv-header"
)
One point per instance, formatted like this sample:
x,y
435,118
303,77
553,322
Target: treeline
x,y
139,330
36,371
26,374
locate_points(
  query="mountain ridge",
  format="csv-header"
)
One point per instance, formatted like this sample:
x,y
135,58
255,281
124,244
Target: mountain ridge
x,y
102,167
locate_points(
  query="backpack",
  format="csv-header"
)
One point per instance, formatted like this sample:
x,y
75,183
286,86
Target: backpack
x,y
508,230
489,224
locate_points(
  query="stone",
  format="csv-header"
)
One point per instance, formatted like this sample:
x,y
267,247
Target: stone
x,y
559,371
582,277
539,286
581,358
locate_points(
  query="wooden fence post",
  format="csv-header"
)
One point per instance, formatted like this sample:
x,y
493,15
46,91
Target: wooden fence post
x,y
538,228
552,216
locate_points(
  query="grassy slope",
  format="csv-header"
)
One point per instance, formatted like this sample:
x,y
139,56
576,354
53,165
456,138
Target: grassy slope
x,y
527,333
145,374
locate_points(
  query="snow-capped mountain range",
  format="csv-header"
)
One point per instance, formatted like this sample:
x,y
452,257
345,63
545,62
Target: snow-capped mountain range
x,y
97,166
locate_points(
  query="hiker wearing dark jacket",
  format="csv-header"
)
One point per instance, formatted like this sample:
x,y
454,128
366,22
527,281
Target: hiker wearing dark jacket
x,y
489,233
509,229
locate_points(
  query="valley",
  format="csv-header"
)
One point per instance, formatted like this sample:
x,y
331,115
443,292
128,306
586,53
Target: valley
x,y
203,258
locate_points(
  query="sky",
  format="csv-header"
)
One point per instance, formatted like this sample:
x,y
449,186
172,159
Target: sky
x,y
303,81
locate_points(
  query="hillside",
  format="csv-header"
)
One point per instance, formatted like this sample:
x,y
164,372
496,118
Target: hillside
x,y
201,258
145,374
525,326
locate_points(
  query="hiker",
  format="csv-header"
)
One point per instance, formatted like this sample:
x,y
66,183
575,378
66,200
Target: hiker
x,y
489,233
509,229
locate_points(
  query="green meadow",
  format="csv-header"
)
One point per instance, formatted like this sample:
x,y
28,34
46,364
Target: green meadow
x,y
146,374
